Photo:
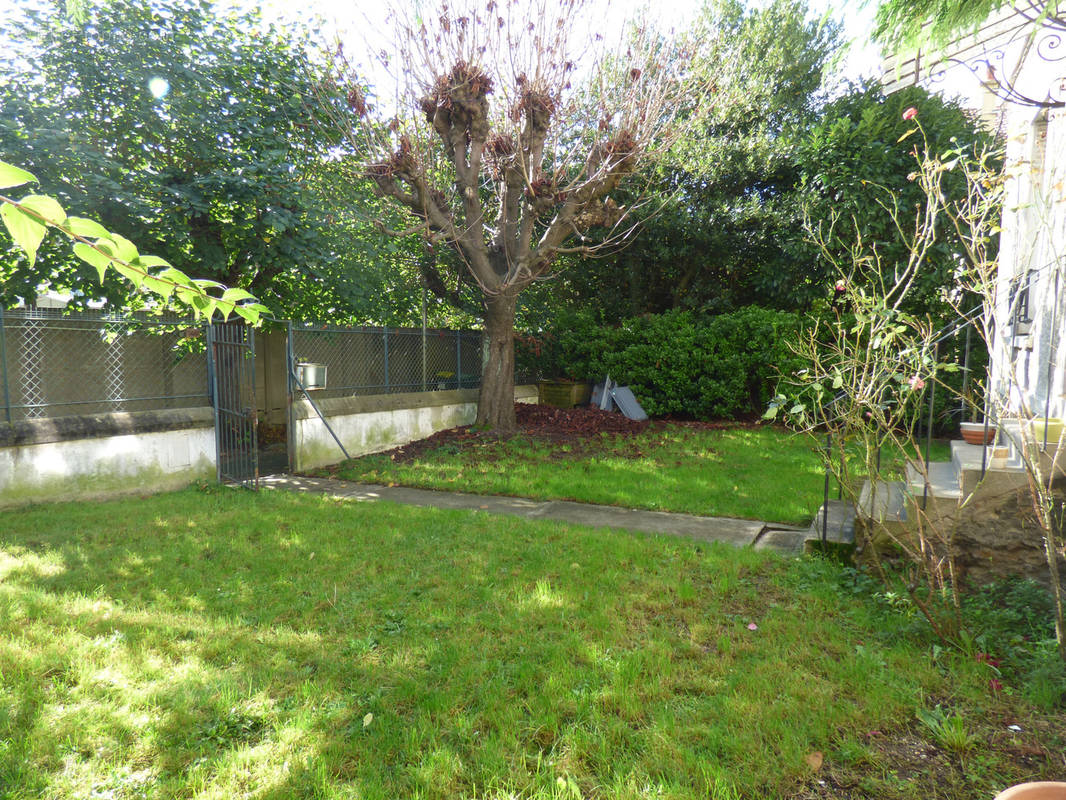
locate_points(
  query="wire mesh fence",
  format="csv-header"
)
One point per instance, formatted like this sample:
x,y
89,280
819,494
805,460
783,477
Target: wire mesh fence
x,y
365,361
55,364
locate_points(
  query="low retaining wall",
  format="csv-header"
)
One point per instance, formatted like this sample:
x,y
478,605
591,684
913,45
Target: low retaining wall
x,y
104,455
380,422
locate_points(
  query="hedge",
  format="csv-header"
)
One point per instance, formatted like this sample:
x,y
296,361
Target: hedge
x,y
677,363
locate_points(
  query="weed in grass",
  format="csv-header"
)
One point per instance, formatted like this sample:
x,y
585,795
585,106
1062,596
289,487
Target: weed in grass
x,y
233,727
1045,681
949,730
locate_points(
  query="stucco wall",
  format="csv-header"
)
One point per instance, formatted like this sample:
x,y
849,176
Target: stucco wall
x,y
381,422
1028,362
73,458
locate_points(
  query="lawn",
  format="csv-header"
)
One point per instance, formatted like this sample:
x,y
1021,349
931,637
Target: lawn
x,y
752,472
218,644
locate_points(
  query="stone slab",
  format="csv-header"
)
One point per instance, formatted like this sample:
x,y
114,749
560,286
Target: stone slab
x,y
48,430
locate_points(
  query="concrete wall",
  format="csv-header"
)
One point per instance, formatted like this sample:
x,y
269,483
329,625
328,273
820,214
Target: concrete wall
x,y
105,455
380,422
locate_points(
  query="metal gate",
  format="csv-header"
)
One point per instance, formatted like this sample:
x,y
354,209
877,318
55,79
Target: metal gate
x,y
231,370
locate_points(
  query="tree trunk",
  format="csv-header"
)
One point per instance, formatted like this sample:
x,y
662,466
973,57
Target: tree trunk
x,y
495,405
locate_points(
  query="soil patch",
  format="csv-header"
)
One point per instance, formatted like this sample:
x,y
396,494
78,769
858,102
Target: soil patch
x,y
905,763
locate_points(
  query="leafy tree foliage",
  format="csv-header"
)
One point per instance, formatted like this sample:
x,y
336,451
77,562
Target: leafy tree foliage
x,y
746,195
28,220
858,170
917,23
729,229
188,131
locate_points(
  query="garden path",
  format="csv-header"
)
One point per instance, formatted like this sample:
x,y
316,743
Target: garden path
x,y
737,532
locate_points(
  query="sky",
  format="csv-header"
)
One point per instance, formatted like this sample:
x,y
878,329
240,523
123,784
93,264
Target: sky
x,y
356,20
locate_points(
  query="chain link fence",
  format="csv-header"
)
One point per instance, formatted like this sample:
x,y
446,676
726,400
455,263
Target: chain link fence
x,y
57,364
366,361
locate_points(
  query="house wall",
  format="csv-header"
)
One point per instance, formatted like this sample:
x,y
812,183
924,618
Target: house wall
x,y
1029,361
375,423
1004,70
105,455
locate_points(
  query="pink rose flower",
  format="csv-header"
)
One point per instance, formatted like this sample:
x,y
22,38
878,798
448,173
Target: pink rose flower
x,y
916,383
752,626
910,113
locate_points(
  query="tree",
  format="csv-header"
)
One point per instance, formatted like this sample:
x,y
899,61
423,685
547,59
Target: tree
x,y
506,148
859,177
181,128
917,23
28,220
732,230
728,232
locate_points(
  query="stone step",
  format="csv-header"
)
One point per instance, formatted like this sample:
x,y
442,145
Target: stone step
x,y
939,479
968,461
883,501
969,457
839,525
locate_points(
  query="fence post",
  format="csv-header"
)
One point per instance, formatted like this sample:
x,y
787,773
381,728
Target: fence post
x,y
290,371
965,374
3,368
385,334
1052,346
423,338
929,429
212,377
825,492
458,360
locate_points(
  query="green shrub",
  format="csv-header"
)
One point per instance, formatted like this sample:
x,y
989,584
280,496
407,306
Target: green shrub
x,y
677,363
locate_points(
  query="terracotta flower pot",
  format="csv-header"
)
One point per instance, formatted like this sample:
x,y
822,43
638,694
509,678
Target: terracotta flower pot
x,y
974,433
1041,790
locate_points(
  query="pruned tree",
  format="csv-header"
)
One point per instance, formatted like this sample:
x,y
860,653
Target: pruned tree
x,y
513,127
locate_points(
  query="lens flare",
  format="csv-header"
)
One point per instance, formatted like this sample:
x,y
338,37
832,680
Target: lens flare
x,y
158,87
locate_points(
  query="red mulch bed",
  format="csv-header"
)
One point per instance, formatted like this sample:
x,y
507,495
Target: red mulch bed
x,y
534,419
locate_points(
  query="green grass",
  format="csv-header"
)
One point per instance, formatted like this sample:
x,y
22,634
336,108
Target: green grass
x,y
220,644
764,472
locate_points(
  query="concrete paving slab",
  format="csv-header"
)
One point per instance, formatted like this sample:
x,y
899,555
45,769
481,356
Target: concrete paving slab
x,y
737,532
783,541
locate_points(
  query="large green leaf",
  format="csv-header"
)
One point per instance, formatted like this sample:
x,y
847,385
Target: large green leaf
x,y
86,228
27,231
94,257
46,208
10,175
